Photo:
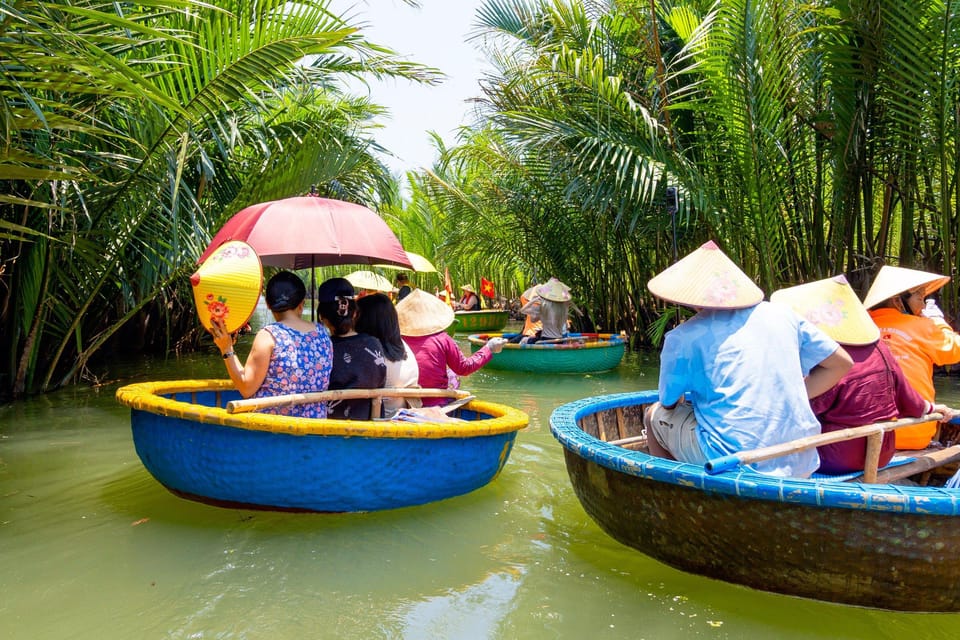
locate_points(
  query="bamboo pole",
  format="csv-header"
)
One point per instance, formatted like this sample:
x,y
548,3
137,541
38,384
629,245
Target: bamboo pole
x,y
725,463
290,399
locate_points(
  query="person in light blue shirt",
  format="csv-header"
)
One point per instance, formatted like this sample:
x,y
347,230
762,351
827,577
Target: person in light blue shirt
x,y
739,374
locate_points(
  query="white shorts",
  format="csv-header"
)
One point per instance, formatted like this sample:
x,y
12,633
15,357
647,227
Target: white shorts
x,y
676,431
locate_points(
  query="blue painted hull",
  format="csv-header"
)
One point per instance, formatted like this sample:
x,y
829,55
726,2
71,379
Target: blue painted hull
x,y
882,545
241,467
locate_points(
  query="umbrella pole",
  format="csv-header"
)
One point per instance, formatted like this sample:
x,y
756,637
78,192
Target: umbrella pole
x,y
313,291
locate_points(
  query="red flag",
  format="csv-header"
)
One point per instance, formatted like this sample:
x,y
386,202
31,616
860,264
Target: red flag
x,y
447,286
486,288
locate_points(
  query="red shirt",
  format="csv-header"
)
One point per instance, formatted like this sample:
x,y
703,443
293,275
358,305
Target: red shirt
x,y
875,389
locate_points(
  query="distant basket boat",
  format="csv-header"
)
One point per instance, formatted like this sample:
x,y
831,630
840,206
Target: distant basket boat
x,y
874,545
188,439
476,321
578,353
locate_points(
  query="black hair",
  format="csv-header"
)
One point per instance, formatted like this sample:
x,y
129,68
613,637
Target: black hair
x,y
378,317
336,304
285,291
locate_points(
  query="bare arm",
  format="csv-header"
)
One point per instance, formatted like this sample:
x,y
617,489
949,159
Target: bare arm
x,y
828,373
250,376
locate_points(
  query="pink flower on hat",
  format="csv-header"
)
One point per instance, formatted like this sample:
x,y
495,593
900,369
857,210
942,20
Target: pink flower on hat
x,y
722,289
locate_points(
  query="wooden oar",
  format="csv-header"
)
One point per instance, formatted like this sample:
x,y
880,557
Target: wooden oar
x,y
290,399
870,431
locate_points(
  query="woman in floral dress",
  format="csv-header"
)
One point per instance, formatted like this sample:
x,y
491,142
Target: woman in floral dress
x,y
290,355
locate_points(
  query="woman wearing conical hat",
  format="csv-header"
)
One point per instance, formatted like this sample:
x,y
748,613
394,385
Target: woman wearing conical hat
x,y
738,375
913,327
423,322
874,390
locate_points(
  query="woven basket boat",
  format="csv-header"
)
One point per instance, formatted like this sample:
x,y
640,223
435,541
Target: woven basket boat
x,y
581,353
874,545
476,321
189,441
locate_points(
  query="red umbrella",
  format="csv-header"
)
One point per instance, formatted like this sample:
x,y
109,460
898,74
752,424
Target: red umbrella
x,y
308,231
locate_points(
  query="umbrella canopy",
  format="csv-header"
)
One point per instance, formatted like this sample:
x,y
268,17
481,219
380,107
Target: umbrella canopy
x,y
369,280
307,231
418,262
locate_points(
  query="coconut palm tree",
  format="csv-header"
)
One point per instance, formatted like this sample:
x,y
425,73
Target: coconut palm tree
x,y
133,132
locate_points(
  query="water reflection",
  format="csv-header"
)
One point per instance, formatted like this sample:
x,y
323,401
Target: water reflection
x,y
93,547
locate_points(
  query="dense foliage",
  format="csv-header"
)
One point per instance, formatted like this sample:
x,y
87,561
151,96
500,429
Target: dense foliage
x,y
131,131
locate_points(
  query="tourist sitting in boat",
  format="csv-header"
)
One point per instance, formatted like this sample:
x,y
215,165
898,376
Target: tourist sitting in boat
x,y
916,333
739,374
377,317
423,322
289,355
553,309
358,361
875,389
469,301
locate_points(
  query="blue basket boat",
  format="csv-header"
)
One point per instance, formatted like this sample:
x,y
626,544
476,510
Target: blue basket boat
x,y
189,441
579,353
881,545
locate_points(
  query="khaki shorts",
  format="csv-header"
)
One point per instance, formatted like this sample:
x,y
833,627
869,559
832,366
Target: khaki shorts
x,y
676,431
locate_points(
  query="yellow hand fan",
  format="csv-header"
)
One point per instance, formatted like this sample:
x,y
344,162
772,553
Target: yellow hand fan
x,y
227,285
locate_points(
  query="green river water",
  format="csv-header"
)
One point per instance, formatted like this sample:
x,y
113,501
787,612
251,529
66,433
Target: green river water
x,y
92,547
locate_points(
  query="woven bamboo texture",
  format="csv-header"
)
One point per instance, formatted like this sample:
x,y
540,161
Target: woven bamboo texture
x,y
883,546
188,442
570,357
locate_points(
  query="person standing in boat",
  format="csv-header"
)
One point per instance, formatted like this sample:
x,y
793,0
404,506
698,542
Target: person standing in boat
x,y
289,355
469,301
423,322
377,316
912,325
739,374
875,389
358,361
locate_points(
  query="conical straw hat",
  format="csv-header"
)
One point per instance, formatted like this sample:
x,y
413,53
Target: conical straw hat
x,y
227,285
706,279
832,305
892,281
554,290
423,314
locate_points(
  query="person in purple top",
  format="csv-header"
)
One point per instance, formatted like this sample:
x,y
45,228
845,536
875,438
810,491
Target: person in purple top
x,y
423,322
290,355
875,389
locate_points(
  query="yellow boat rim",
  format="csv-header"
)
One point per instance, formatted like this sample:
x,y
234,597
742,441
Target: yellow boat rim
x,y
150,397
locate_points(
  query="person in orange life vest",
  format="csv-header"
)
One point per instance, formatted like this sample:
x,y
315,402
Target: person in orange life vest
x,y
469,301
919,338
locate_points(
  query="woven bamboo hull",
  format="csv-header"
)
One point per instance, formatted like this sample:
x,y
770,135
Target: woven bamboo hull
x,y
597,355
883,546
475,321
188,442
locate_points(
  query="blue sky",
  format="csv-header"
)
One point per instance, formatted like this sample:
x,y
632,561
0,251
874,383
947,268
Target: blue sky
x,y
434,34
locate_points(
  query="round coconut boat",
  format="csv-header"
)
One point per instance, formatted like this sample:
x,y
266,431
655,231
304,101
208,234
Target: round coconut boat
x,y
576,353
476,321
839,539
200,441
